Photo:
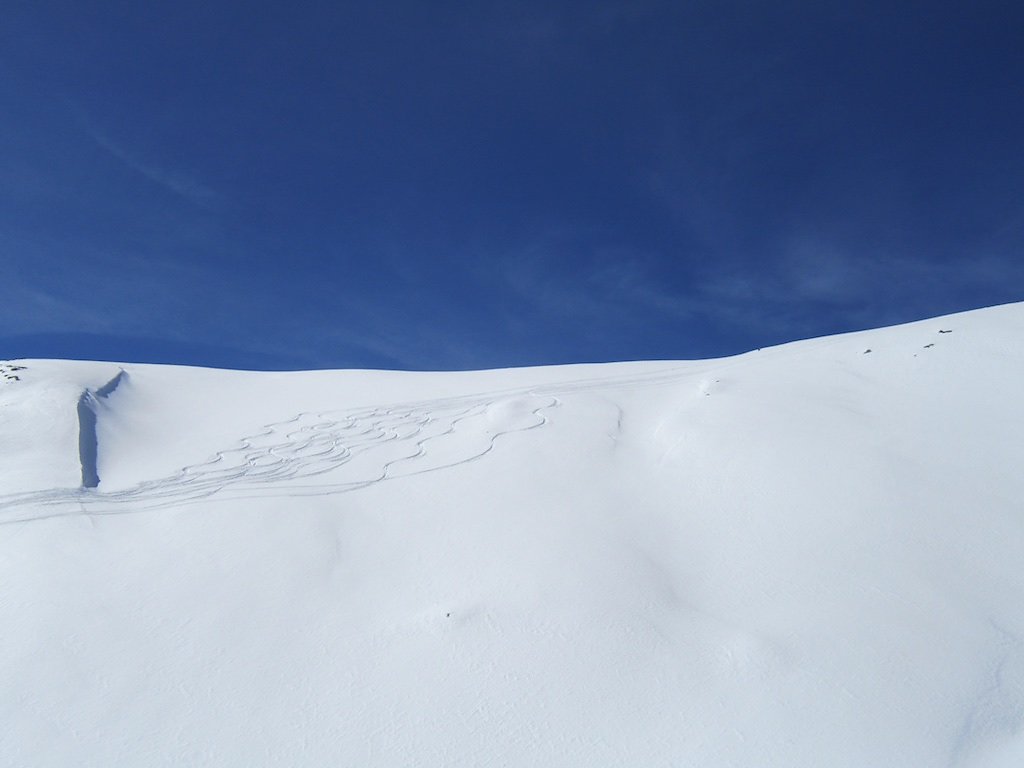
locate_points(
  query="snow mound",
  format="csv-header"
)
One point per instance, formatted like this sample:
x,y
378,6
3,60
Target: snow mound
x,y
801,556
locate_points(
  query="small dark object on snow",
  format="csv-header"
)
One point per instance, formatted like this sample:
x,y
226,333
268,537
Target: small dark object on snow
x,y
942,331
866,351
928,345
448,615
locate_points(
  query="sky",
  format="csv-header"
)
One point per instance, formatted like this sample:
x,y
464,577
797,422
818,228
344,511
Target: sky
x,y
434,185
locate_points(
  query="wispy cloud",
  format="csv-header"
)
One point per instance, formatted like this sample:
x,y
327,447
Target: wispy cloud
x,y
814,278
561,277
538,36
32,309
181,183
807,286
57,284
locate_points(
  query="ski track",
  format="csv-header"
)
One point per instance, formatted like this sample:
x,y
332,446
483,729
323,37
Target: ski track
x,y
329,452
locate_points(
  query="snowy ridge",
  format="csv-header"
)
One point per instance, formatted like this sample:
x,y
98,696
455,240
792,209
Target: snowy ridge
x,y
801,556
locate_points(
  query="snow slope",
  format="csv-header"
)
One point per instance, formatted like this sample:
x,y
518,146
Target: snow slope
x,y
802,556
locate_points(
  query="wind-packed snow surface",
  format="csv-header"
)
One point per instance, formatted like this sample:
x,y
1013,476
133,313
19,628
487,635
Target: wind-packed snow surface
x,y
811,555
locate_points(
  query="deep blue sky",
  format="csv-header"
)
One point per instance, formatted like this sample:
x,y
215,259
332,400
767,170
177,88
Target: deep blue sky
x,y
462,185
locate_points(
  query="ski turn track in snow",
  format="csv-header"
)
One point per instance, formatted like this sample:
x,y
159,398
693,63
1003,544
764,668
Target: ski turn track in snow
x,y
328,452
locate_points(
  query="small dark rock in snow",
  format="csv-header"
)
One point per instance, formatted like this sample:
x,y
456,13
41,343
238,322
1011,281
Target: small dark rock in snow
x,y
866,351
942,331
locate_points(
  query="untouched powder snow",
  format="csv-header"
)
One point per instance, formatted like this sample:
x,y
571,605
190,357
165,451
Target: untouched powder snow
x,y
802,556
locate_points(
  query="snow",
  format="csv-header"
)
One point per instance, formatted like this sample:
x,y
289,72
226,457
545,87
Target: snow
x,y
805,555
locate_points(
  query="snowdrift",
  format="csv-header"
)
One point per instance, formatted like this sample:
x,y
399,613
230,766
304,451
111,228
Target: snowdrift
x,y
806,555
